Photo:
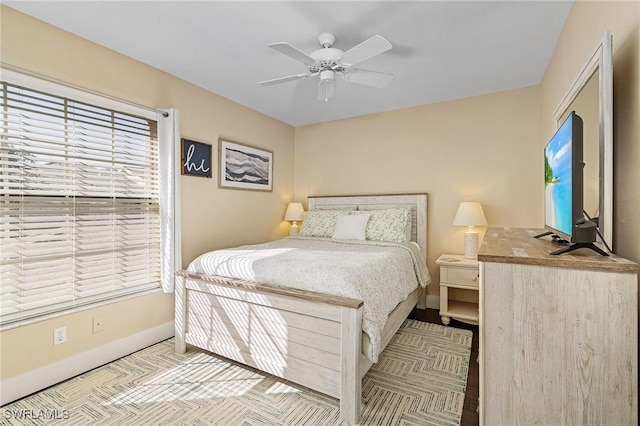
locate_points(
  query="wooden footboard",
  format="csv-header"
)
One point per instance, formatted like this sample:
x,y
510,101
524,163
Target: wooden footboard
x,y
309,338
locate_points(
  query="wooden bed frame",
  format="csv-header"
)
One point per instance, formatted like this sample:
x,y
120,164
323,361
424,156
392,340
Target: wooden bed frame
x,y
311,339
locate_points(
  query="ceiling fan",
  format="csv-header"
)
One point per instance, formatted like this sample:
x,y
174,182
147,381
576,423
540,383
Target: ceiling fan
x,y
327,62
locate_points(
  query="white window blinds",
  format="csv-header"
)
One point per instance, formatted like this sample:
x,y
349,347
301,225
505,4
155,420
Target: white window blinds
x,y
79,204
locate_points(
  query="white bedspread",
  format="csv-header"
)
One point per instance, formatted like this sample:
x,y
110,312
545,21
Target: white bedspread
x,y
380,274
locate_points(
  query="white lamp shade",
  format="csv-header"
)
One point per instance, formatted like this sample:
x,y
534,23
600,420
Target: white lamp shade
x,y
470,214
294,212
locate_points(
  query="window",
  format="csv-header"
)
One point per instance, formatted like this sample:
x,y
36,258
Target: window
x,y
80,212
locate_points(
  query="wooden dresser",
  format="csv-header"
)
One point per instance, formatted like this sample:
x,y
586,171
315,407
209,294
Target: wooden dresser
x,y
558,334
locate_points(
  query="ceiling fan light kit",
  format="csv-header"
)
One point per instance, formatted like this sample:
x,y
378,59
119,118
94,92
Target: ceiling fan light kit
x,y
328,61
327,85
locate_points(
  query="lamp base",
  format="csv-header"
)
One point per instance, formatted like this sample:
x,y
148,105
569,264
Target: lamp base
x,y
293,231
471,243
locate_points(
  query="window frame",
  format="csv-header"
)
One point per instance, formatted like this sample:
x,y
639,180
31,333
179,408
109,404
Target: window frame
x,y
63,90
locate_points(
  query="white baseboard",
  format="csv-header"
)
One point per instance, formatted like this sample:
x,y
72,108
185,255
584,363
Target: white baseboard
x,y
433,302
40,378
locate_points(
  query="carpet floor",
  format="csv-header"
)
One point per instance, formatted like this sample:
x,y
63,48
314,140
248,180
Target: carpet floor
x,y
420,379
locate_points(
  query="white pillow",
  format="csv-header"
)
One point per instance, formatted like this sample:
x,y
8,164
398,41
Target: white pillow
x,y
392,224
350,227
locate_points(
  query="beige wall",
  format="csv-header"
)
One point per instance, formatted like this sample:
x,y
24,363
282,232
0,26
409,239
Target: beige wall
x,y
583,30
211,217
484,148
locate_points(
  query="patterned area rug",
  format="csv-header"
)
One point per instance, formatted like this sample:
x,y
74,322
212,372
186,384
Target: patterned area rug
x,y
420,379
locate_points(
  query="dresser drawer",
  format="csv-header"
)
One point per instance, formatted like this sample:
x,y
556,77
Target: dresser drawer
x,y
459,276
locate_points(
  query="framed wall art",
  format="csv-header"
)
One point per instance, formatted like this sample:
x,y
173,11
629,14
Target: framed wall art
x,y
244,167
196,158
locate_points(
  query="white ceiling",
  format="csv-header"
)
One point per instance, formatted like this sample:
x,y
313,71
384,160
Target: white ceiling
x,y
442,50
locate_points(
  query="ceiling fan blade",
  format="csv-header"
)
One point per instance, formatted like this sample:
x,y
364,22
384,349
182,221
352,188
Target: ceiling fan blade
x,y
326,90
368,78
367,49
293,52
282,79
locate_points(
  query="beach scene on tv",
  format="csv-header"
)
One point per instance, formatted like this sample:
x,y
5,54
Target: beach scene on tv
x,y
557,180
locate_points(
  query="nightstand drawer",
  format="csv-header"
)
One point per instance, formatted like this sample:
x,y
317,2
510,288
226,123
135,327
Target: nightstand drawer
x,y
459,276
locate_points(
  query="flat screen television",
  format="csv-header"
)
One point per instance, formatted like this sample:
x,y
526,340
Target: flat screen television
x,y
563,179
564,216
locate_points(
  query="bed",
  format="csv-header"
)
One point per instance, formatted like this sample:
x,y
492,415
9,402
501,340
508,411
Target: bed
x,y
311,338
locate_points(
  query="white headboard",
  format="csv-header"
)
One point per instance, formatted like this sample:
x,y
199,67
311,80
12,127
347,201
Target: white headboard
x,y
416,202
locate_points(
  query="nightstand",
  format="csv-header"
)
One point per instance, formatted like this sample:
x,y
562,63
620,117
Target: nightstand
x,y
456,271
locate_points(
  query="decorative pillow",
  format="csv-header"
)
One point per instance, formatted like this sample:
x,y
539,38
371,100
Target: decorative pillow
x,y
388,225
351,227
320,223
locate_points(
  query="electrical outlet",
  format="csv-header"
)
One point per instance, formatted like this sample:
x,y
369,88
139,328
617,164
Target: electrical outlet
x,y
59,335
98,325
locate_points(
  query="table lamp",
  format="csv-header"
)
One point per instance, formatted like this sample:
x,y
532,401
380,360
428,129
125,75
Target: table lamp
x,y
470,214
294,214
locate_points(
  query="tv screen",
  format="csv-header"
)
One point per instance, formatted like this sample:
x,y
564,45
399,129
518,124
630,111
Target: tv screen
x,y
563,178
